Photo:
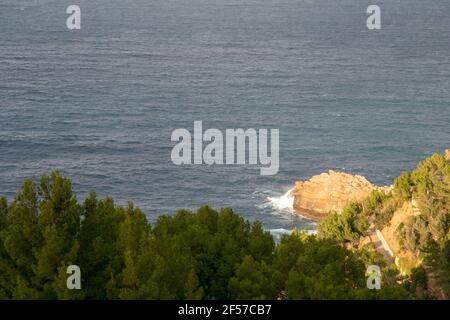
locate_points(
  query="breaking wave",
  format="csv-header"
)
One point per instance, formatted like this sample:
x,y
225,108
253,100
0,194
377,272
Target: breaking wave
x,y
283,202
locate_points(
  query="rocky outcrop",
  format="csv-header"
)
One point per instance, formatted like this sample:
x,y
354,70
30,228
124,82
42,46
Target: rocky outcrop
x,y
330,191
447,154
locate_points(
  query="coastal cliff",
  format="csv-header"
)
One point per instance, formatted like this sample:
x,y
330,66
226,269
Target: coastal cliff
x,y
407,223
330,191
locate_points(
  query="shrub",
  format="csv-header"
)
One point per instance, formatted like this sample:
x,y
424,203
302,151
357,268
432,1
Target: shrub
x,y
403,186
348,226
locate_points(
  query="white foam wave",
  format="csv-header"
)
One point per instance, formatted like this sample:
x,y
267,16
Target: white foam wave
x,y
278,233
283,202
281,231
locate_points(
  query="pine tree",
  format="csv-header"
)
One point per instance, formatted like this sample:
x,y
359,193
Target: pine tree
x,y
99,256
21,239
59,221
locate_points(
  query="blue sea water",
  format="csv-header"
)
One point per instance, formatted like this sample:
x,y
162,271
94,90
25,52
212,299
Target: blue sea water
x,y
100,104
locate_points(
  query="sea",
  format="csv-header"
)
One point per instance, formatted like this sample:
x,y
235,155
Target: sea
x,y
99,104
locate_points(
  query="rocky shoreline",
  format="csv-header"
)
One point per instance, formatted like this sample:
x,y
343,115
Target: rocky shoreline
x,y
332,191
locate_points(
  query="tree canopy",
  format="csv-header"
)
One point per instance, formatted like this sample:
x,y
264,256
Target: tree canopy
x,y
189,255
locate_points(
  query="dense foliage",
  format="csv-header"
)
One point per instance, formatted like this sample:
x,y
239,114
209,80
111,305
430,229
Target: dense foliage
x,y
429,186
202,255
425,234
346,226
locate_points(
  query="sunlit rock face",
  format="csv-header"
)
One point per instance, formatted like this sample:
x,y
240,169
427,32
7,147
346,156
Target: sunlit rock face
x,y
447,154
330,191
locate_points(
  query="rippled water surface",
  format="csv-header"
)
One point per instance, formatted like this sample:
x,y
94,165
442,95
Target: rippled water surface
x,y
100,104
